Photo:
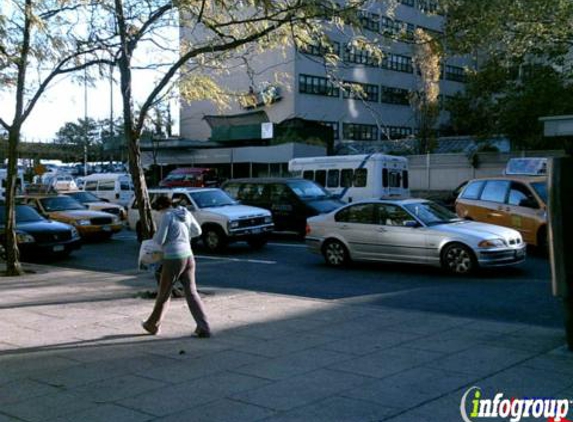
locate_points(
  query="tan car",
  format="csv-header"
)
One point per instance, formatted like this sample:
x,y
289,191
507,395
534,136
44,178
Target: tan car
x,y
519,202
67,210
94,203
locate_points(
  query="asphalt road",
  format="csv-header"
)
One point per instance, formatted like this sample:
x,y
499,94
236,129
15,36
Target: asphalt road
x,y
521,294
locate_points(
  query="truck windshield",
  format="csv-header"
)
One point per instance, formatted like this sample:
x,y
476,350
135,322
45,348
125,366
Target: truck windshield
x,y
308,190
212,198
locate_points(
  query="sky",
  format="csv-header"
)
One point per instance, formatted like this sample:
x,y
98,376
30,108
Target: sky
x,y
64,102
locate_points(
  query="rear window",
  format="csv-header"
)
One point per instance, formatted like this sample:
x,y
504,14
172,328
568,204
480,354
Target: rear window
x,y
495,190
473,190
541,189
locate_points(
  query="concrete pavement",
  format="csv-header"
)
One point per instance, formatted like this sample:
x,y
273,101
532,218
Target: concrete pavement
x,y
72,349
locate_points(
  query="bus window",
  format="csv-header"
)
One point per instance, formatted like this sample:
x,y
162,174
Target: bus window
x,y
395,179
308,175
360,177
346,178
333,179
405,182
384,178
320,177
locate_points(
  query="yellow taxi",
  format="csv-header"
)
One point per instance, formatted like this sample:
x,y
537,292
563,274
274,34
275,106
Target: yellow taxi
x,y
518,202
62,208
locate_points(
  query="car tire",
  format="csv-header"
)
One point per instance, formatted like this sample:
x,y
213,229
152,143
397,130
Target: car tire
x,y
138,233
458,259
258,242
543,241
335,253
214,239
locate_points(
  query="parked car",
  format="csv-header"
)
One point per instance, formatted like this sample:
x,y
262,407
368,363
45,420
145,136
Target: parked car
x,y
519,202
222,219
291,201
413,231
188,177
94,203
37,236
67,210
115,187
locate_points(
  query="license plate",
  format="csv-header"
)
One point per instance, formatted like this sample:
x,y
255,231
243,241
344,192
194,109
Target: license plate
x,y
59,248
106,228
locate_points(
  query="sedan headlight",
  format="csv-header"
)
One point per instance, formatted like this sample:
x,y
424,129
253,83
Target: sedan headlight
x,y
82,222
24,238
233,224
268,219
492,243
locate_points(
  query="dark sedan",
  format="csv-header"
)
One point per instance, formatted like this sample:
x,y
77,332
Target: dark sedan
x,y
38,237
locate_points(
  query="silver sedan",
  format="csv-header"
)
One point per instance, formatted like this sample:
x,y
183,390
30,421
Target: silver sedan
x,y
412,231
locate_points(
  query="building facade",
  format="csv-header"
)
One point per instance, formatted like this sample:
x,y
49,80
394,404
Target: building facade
x,y
304,90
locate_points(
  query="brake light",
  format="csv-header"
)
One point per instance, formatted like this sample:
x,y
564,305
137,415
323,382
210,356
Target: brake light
x,y
308,230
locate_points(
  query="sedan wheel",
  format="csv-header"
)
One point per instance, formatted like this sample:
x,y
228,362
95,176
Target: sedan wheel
x,y
335,253
458,259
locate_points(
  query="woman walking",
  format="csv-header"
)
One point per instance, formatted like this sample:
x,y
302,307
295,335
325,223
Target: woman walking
x,y
177,228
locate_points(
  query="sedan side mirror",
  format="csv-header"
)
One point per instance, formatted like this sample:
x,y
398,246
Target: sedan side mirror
x,y
411,223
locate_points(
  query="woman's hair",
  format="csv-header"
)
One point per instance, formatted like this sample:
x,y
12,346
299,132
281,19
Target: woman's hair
x,y
163,202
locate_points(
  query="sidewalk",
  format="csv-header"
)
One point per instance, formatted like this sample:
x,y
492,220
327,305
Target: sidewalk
x,y
72,349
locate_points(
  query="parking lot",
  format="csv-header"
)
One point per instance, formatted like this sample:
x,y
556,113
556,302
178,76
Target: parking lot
x,y
520,294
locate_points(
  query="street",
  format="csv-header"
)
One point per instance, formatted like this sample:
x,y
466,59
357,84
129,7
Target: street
x,y
520,295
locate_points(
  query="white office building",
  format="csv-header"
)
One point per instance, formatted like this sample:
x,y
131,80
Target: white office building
x,y
305,92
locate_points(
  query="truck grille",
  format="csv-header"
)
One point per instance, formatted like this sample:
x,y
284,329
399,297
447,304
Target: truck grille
x,y
100,221
251,222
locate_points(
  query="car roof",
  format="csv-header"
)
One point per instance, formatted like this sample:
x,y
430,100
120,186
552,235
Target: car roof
x,y
266,180
177,190
397,201
517,178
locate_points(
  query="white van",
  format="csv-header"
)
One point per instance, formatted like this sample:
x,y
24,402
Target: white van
x,y
19,183
113,187
356,177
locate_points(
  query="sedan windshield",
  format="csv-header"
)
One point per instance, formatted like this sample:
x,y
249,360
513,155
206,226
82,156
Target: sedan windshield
x,y
24,214
211,199
61,203
85,197
431,213
541,189
308,190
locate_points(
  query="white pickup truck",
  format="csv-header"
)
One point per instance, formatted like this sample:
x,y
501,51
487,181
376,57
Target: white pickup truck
x,y
222,219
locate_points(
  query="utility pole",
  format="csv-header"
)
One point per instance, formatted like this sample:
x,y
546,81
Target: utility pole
x,y
86,121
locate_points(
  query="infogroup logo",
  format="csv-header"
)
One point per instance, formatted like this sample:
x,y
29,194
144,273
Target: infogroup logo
x,y
474,407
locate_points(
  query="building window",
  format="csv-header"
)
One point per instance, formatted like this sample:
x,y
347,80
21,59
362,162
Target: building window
x,y
360,132
455,73
334,126
320,49
428,6
392,95
358,91
370,21
397,62
317,85
396,132
359,56
396,28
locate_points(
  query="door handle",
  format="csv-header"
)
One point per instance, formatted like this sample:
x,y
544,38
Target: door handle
x,y
381,229
344,227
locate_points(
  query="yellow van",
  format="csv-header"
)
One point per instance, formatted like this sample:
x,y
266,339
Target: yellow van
x,y
518,202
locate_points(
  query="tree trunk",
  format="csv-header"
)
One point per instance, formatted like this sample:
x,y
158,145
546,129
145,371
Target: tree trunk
x,y
13,266
132,136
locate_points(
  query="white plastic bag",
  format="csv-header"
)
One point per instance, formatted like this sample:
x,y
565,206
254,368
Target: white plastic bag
x,y
149,253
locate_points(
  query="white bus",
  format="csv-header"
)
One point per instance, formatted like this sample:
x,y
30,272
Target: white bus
x,y
356,177
3,183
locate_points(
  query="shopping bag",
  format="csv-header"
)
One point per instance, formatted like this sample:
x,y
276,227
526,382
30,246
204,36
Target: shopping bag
x,y
149,254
